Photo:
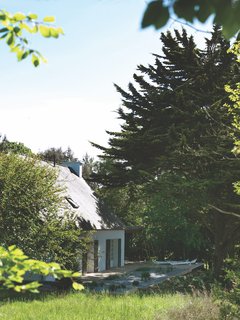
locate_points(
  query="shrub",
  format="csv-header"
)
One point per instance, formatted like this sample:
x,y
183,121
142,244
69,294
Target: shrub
x,y
229,293
200,281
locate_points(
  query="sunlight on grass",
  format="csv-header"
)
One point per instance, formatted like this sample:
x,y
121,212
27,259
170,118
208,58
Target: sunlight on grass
x,y
91,307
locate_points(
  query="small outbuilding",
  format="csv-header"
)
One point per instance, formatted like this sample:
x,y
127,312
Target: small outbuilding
x,y
107,231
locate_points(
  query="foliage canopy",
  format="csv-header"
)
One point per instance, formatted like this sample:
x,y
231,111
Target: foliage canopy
x,y
226,13
177,135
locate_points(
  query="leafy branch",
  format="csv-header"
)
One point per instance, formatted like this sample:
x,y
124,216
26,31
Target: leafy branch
x,y
226,13
15,25
14,265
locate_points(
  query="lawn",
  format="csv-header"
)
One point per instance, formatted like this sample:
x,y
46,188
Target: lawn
x,y
84,306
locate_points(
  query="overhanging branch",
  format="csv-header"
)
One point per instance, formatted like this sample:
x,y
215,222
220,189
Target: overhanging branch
x,y
224,211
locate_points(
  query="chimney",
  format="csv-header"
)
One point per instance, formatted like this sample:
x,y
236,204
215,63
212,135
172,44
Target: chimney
x,y
74,166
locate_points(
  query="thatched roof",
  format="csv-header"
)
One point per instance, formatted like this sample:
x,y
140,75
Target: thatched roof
x,y
81,200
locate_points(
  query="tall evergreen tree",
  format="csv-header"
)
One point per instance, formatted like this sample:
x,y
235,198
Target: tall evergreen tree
x,y
176,133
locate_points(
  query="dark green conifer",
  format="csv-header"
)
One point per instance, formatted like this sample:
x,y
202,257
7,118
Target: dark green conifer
x,y
176,131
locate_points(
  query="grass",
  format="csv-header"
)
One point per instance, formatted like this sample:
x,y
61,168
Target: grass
x,y
82,306
197,308
187,297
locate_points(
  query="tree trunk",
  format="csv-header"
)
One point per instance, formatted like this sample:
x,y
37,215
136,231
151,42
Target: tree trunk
x,y
225,236
220,254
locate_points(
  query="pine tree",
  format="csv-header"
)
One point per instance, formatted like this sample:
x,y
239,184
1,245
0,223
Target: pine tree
x,y
176,132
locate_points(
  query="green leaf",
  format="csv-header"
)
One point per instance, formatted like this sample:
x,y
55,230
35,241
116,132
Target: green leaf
x,y
4,30
76,274
54,264
4,35
10,39
32,16
77,286
24,56
34,29
204,11
34,290
18,288
25,26
33,285
64,273
19,16
19,52
16,29
49,19
45,31
3,16
54,33
35,60
17,252
16,278
156,15
11,248
185,9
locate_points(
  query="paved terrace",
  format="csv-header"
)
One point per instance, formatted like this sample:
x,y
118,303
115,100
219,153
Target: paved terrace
x,y
132,271
128,267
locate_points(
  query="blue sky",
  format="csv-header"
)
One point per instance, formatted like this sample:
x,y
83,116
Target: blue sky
x,y
71,100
